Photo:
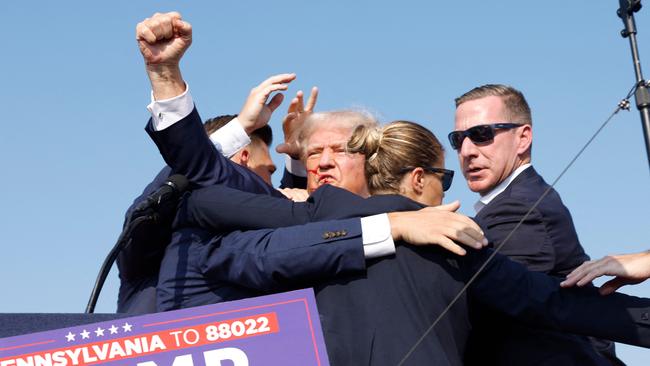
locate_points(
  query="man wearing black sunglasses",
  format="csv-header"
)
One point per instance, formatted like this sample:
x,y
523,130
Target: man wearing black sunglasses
x,y
493,137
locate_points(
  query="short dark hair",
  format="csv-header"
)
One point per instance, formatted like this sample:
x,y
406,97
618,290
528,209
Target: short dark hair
x,y
263,134
513,99
217,122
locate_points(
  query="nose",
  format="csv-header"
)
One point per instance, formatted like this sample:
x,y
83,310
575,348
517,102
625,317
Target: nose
x,y
326,159
467,148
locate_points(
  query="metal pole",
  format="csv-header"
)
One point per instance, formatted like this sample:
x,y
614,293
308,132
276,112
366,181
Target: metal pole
x,y
642,96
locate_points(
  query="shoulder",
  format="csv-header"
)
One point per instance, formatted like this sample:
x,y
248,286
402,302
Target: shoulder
x,y
527,188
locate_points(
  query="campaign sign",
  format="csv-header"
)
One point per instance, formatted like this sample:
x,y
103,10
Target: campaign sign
x,y
280,329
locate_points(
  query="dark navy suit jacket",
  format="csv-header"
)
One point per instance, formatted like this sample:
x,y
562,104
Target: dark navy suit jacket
x,y
545,242
374,317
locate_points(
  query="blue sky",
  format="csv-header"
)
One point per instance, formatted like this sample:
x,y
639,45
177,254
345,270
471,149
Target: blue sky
x,y
74,93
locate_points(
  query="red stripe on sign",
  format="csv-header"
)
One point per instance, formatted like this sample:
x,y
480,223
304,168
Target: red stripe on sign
x,y
27,345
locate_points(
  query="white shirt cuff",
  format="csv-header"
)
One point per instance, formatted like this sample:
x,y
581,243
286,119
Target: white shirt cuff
x,y
166,112
230,138
377,240
295,167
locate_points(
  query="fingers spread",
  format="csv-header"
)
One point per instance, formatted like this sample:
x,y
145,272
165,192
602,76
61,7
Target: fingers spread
x,y
451,246
300,105
275,102
611,286
293,108
466,239
311,102
278,79
267,90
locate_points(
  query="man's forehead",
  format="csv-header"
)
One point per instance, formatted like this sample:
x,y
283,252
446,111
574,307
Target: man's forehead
x,y
480,111
329,136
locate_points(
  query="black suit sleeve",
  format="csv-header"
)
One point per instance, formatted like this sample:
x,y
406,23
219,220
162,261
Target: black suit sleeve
x,y
263,259
538,300
187,149
276,259
530,244
222,209
292,181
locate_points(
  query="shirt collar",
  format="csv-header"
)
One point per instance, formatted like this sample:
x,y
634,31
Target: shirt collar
x,y
488,197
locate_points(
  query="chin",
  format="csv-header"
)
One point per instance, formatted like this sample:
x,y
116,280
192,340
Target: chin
x,y
477,187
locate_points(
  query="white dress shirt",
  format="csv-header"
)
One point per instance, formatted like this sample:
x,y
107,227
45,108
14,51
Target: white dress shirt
x,y
488,197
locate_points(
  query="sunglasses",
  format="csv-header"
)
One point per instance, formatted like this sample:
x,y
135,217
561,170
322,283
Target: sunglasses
x,y
480,134
447,175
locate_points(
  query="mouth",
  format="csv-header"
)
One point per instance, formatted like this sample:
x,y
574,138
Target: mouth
x,y
325,179
472,170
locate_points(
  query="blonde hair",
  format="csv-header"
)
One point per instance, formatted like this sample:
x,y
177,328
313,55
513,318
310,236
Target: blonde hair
x,y
393,147
344,119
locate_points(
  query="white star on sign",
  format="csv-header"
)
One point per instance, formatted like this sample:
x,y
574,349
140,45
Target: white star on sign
x,y
113,329
127,327
69,337
99,332
85,334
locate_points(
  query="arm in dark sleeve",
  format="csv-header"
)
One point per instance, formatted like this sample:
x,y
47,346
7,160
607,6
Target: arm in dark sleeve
x,y
223,209
272,259
186,148
538,300
292,181
266,259
529,245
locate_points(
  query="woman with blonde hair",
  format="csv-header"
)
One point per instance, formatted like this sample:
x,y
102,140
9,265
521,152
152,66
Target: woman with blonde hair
x,y
403,158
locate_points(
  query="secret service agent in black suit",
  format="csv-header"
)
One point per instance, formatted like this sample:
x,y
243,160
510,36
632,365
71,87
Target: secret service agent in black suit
x,y
545,242
493,136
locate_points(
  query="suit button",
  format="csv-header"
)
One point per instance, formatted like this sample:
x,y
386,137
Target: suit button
x,y
328,234
344,233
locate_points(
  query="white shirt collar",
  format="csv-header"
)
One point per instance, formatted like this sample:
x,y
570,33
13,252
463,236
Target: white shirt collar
x,y
488,197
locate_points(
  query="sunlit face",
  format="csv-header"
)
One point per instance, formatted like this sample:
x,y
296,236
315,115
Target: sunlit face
x,y
429,190
432,192
260,161
486,165
328,162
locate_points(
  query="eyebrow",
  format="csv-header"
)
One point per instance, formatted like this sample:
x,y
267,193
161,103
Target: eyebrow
x,y
333,144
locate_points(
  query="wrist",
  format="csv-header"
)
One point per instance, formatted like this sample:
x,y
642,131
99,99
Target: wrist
x,y
247,126
395,220
166,80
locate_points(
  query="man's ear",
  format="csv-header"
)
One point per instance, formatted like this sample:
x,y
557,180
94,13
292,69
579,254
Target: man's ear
x,y
244,157
525,135
416,178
